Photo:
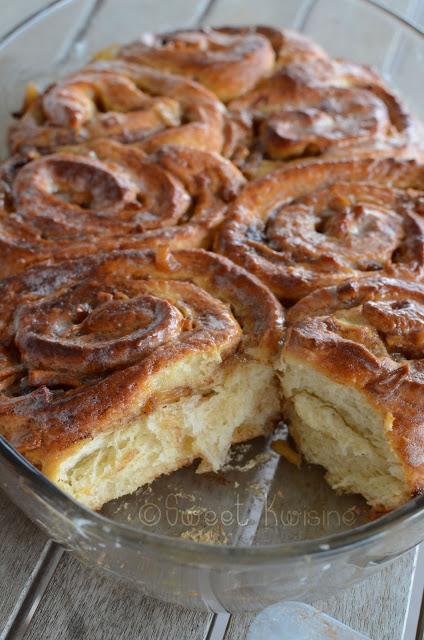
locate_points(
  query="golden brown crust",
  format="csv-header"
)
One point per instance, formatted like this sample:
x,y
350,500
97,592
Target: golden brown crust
x,y
228,62
82,343
287,99
122,101
369,334
124,155
306,227
105,195
314,106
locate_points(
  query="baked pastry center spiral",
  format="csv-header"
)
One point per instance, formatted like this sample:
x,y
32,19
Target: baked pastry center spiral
x,y
125,102
316,225
228,62
349,226
67,192
388,321
401,323
106,195
91,329
332,118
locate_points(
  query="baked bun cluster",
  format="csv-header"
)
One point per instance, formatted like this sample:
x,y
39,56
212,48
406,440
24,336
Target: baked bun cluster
x,y
312,106
287,100
344,241
159,209
120,367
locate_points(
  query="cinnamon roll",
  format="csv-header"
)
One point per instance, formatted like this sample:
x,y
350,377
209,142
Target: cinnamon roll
x,y
313,106
106,195
122,101
307,227
230,61
227,61
352,372
120,367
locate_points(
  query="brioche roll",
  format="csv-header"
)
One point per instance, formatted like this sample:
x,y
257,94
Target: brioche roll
x,y
313,106
120,367
352,373
128,103
230,61
287,99
105,195
307,227
227,61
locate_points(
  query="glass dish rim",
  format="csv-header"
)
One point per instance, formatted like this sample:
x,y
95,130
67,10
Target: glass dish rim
x,y
191,552
234,554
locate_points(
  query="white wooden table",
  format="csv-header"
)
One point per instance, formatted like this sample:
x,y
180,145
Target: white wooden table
x,y
46,594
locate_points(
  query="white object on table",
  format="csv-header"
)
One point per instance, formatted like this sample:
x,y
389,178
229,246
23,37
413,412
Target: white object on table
x,y
298,621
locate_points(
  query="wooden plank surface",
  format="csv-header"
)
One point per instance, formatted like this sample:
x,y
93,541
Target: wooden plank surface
x,y
80,604
375,607
21,545
236,12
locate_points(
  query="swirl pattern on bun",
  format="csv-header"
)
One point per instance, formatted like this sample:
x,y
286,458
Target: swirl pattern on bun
x,y
307,227
106,195
353,376
117,368
127,350
227,61
287,101
231,61
313,106
119,100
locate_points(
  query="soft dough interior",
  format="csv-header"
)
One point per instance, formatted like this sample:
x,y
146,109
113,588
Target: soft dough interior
x,y
241,405
337,427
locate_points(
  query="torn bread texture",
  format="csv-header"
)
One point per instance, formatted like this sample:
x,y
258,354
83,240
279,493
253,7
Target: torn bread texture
x,y
241,405
172,356
338,427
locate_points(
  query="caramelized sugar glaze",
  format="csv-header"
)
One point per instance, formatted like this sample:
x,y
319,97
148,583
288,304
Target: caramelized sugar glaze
x,y
83,341
306,227
105,195
121,171
287,100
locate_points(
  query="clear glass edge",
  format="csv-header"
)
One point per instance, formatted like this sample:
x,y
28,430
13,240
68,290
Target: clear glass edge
x,y
323,547
32,19
407,22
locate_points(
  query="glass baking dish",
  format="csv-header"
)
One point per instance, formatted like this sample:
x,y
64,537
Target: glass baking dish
x,y
262,530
